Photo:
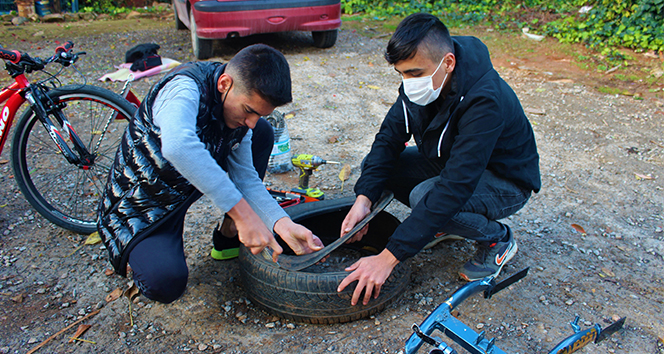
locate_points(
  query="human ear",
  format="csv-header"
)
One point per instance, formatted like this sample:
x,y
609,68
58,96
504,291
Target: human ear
x,y
449,60
224,83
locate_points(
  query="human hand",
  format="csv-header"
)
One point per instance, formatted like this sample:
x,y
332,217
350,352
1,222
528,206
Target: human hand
x,y
360,209
371,273
300,239
252,231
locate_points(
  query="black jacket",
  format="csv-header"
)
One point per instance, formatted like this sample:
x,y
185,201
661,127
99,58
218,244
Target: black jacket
x,y
143,188
479,125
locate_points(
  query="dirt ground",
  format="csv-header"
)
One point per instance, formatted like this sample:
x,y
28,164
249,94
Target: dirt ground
x,y
602,159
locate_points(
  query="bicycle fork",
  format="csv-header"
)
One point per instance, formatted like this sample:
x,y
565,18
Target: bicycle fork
x,y
43,107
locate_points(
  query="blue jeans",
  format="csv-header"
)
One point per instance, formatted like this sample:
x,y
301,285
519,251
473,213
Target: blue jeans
x,y
158,262
493,199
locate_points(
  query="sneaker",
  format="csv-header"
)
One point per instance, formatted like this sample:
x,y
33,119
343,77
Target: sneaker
x,y
224,247
489,259
440,237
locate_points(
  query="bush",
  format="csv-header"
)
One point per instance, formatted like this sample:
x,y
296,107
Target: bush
x,y
636,24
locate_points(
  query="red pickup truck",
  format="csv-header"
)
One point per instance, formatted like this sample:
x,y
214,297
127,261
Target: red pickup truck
x,y
219,19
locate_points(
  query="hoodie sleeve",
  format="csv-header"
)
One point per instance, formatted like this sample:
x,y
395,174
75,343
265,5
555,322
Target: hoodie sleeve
x,y
390,141
480,126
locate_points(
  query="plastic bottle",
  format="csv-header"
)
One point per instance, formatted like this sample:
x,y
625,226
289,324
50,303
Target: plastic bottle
x,y
280,158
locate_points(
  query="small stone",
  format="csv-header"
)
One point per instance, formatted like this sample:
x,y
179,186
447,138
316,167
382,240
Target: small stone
x,y
270,325
81,312
569,302
122,334
65,304
542,298
32,340
216,346
615,318
290,326
479,326
149,336
4,350
202,347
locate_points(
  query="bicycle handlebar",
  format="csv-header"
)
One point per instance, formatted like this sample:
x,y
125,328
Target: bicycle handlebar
x,y
65,47
63,55
12,55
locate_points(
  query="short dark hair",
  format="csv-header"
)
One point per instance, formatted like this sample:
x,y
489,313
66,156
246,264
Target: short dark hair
x,y
419,30
262,69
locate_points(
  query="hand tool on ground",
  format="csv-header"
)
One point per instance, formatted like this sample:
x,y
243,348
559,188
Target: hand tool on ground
x,y
307,164
296,263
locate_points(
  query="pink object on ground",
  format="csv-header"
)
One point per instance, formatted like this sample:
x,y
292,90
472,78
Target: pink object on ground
x,y
123,73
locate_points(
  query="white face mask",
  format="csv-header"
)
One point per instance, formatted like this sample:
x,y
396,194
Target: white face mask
x,y
420,89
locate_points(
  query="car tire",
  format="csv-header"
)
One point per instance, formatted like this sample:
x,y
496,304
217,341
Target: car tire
x,y
324,39
310,295
202,47
179,25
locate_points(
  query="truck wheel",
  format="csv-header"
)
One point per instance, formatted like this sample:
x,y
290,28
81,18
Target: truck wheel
x,y
179,25
324,39
310,295
202,47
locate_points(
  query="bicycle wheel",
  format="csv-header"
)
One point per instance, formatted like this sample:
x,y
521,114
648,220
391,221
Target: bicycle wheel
x,y
64,193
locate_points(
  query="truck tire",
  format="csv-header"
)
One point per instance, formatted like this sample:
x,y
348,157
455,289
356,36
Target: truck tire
x,y
324,39
310,295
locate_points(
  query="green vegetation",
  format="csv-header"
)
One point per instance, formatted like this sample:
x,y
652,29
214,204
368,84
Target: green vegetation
x,y
604,25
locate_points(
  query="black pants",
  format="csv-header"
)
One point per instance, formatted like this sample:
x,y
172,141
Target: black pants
x,y
158,262
494,198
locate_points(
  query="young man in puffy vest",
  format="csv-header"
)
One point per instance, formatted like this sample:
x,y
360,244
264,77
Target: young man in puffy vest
x,y
198,132
475,162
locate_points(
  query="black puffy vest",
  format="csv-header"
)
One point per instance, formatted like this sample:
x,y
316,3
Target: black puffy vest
x,y
143,188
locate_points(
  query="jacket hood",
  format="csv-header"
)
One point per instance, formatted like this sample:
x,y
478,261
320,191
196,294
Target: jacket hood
x,y
472,62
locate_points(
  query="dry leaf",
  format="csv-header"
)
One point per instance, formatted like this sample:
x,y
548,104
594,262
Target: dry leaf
x,y
79,332
18,298
640,176
132,292
579,229
343,175
108,272
93,239
114,295
373,87
3,161
608,272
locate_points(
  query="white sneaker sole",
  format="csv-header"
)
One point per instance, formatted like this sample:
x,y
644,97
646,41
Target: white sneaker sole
x,y
437,240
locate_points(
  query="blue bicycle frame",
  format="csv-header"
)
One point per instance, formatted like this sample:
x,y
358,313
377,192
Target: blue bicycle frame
x,y
442,319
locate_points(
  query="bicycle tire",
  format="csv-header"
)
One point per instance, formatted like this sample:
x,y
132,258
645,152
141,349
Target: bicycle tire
x,y
66,194
310,295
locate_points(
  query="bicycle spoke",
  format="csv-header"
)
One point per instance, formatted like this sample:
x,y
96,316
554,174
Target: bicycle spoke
x,y
48,180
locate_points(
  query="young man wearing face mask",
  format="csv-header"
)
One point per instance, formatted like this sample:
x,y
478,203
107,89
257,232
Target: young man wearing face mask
x,y
475,162
198,131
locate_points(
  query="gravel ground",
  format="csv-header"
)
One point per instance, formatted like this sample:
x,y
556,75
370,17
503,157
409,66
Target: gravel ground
x,y
601,162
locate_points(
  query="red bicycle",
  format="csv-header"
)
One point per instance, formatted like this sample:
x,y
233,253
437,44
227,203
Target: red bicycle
x,y
64,143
